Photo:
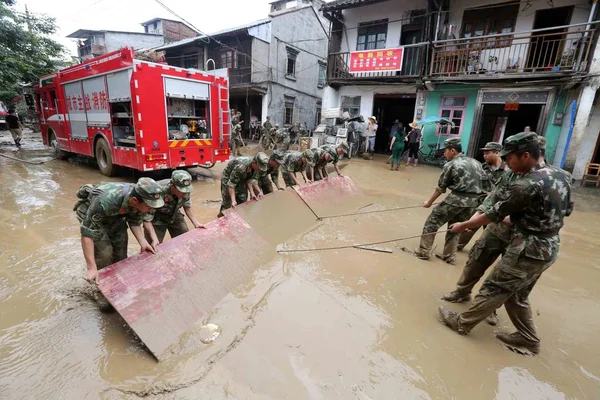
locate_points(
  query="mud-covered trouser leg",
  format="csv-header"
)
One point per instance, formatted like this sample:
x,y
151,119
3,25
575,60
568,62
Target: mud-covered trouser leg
x,y
178,226
459,214
241,196
510,284
287,178
483,254
112,245
160,231
265,185
441,214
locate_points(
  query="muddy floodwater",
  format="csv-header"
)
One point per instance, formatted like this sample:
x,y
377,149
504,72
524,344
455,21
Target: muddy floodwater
x,y
337,324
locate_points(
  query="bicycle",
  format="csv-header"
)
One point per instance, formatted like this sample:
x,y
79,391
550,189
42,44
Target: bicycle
x,y
434,156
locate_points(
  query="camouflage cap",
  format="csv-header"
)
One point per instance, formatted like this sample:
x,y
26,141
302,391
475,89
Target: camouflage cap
x,y
452,143
494,146
277,156
262,160
541,141
518,142
182,180
150,192
344,147
310,157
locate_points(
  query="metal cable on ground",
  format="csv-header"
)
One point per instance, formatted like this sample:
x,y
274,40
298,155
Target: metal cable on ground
x,y
26,161
349,246
375,211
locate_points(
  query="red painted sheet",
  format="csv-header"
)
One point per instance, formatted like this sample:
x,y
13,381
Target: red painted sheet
x,y
162,296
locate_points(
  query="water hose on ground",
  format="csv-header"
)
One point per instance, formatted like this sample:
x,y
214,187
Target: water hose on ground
x,y
359,245
26,161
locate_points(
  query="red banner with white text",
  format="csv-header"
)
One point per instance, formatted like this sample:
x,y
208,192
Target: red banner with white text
x,y
376,60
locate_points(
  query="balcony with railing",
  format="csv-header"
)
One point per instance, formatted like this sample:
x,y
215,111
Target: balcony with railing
x,y
564,50
413,61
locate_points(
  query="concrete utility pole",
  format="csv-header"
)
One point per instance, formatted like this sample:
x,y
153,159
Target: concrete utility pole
x,y
27,18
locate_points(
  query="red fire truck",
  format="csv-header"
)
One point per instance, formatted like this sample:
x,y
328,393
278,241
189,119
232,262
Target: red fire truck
x,y
136,114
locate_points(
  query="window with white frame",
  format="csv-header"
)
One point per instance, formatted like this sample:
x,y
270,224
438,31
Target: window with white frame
x,y
372,35
288,117
351,104
452,108
228,59
291,62
322,71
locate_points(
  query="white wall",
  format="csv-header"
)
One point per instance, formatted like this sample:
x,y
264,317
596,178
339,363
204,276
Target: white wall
x,y
333,98
393,10
115,40
587,145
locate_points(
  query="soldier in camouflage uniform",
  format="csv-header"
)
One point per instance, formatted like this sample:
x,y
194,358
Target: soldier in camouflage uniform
x,y
492,243
176,194
266,139
494,168
321,159
237,142
104,212
336,152
465,177
269,179
267,124
295,161
282,139
536,203
239,178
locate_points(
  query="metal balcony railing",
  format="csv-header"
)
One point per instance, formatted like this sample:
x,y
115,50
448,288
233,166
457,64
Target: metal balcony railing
x,y
412,66
565,49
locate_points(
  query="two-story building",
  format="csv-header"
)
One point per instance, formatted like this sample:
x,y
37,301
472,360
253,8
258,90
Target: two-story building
x,y
492,68
276,65
157,31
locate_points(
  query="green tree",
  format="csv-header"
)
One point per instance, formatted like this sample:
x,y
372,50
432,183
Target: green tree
x,y
26,49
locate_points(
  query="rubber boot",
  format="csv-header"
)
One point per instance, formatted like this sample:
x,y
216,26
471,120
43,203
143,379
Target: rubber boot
x,y
408,161
492,319
392,167
397,166
424,250
518,343
416,161
456,297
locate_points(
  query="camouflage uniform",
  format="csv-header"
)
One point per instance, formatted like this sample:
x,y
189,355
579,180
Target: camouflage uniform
x,y
293,162
492,178
263,177
266,139
331,149
283,140
104,213
537,204
267,125
237,174
320,163
237,141
464,176
169,216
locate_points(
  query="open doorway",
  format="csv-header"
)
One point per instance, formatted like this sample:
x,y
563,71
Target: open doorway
x,y
547,46
498,124
387,108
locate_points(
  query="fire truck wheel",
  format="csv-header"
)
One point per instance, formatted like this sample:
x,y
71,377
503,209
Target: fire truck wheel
x,y
104,158
56,151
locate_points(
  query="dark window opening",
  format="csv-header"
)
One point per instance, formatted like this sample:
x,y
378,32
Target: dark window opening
x,y
372,35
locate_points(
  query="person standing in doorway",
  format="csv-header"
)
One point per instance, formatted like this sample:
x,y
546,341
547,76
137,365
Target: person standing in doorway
x,y
414,141
371,135
397,147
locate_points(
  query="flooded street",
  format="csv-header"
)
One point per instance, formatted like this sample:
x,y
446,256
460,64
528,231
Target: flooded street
x,y
337,324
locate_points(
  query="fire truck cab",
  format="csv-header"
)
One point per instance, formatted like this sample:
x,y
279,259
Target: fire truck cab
x,y
137,114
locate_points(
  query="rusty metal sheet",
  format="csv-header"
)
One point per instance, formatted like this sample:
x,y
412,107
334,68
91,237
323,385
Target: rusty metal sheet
x,y
279,216
332,196
161,296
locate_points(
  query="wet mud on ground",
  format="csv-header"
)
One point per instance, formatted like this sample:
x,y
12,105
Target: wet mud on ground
x,y
339,324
